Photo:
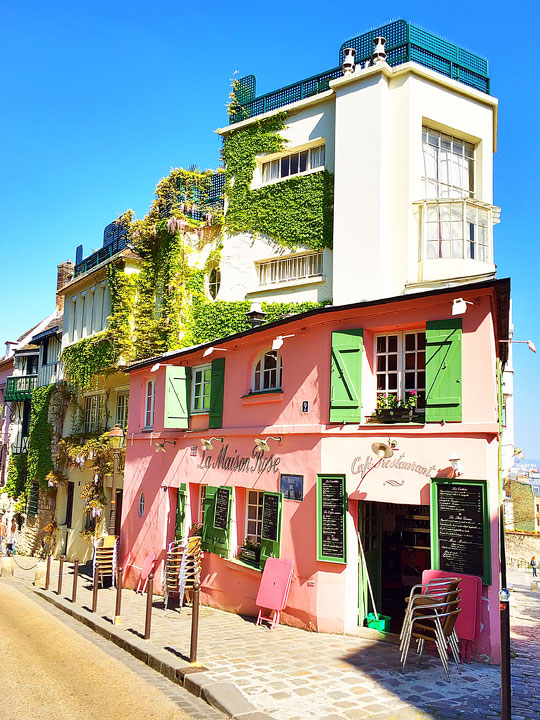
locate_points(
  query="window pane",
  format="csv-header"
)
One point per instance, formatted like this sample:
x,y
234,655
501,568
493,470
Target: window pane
x,y
410,341
294,164
409,361
392,381
392,343
381,382
303,160
392,362
381,363
285,166
266,172
421,340
381,344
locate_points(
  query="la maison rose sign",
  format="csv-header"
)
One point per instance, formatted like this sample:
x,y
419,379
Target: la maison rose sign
x,y
234,462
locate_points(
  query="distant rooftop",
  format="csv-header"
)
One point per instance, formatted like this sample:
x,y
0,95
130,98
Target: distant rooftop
x,y
404,42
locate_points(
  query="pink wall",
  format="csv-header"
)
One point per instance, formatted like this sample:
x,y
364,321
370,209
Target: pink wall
x,y
322,594
6,370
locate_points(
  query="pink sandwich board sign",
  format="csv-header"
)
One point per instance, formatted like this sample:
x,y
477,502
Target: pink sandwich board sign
x,y
274,589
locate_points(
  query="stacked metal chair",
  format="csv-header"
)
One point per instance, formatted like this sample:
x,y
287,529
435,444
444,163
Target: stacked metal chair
x,y
431,614
106,553
183,567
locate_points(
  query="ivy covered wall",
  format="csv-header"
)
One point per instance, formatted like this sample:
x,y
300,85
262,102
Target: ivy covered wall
x,y
297,211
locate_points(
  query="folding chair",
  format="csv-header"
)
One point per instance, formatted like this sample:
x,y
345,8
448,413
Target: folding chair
x,y
147,568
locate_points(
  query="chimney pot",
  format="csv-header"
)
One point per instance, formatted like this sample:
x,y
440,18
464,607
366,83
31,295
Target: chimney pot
x,y
348,66
379,52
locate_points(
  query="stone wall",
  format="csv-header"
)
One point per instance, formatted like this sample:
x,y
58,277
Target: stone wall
x,y
32,535
524,507
521,546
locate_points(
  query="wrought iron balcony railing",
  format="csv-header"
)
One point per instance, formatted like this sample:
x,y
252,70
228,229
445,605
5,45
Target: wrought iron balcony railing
x,y
19,387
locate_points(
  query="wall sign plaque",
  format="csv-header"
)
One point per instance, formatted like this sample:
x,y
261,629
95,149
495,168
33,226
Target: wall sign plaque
x,y
331,513
292,486
461,541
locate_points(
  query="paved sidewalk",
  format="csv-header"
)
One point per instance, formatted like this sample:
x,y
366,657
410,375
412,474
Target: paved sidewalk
x,y
291,674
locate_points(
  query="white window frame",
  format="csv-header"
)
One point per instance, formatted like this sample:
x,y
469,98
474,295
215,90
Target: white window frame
x,y
149,402
452,156
256,515
400,392
263,373
93,406
289,268
271,170
200,509
200,369
122,408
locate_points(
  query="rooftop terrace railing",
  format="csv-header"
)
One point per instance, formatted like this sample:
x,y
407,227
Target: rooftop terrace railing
x,y
98,257
404,42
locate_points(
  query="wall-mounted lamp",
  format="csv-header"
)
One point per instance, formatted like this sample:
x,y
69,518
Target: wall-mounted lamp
x,y
518,453
156,367
455,461
459,306
160,446
278,342
262,443
207,442
212,349
529,343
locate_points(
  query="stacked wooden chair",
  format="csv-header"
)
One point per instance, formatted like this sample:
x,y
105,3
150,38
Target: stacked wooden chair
x,y
106,554
431,614
183,567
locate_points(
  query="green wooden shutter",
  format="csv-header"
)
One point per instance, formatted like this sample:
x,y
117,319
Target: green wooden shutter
x,y
177,390
443,371
215,419
208,518
215,539
272,548
179,530
346,376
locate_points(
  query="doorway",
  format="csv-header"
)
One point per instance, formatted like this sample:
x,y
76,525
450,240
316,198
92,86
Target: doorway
x,y
397,548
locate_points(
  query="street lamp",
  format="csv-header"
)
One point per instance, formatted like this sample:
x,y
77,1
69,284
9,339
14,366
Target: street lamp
x,y
116,440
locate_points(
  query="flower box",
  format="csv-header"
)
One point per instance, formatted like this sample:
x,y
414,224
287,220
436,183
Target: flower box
x,y
251,557
396,415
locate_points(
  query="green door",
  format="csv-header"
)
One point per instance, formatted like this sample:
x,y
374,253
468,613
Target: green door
x,y
370,528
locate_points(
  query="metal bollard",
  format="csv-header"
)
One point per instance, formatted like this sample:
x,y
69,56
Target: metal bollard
x,y
75,578
195,621
116,620
48,573
149,595
95,587
60,574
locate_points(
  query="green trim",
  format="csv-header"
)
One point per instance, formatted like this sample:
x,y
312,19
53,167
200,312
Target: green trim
x,y
269,547
443,370
327,558
179,529
346,376
486,528
217,389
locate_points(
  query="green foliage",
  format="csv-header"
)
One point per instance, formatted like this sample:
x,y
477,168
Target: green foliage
x,y
294,212
40,462
16,475
89,357
123,288
212,320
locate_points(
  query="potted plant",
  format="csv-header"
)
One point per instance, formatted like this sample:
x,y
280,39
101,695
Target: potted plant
x,y
391,410
250,552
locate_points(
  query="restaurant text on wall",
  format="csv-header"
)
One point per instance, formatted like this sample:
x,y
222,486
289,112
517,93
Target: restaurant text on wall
x,y
359,467
239,463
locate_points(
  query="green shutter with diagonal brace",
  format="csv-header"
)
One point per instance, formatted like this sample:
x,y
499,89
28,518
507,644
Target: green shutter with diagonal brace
x,y
177,390
271,546
217,387
216,539
443,370
346,376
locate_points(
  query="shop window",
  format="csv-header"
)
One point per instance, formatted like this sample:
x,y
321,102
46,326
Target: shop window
x,y
200,388
150,396
267,372
400,360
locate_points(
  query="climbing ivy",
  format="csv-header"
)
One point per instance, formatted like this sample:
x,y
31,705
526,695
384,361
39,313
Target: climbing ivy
x,y
123,288
89,357
16,475
294,212
40,462
212,320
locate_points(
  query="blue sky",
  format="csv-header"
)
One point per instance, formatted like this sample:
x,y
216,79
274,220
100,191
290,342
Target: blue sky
x,y
100,99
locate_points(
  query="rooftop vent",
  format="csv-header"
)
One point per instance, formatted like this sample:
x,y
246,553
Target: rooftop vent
x,y
379,52
348,65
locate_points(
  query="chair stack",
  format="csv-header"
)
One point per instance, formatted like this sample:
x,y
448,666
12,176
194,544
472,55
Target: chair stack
x,y
183,567
106,553
431,614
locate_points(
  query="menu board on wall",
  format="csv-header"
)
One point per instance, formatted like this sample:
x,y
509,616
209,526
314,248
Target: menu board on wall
x,y
462,528
331,508
221,511
270,517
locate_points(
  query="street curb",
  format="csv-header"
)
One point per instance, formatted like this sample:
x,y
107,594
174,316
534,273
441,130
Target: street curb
x,y
225,697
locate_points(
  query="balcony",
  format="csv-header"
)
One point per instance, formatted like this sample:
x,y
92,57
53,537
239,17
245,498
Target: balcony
x,y
104,253
19,387
404,42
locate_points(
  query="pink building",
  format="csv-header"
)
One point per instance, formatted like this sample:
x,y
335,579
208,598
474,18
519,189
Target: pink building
x,y
418,373
6,370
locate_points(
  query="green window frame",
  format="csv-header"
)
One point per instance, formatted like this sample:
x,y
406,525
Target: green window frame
x,y
201,376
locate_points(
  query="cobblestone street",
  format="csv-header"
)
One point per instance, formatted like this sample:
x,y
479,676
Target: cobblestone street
x,y
291,674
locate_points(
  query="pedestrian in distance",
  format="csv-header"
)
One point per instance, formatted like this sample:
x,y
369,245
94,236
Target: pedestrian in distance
x,y
533,565
10,538
3,533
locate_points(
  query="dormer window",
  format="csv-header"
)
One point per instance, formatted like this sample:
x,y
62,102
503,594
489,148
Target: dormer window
x,y
267,372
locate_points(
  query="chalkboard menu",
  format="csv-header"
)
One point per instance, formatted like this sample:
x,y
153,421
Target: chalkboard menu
x,y
270,517
462,528
221,511
331,505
